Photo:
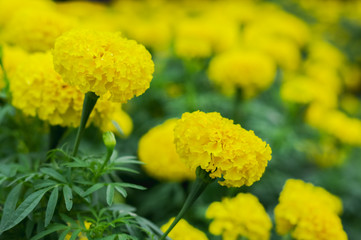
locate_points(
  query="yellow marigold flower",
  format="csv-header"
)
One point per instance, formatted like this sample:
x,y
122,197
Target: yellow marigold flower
x,y
103,62
284,51
221,148
335,123
250,70
81,236
240,216
303,89
38,90
8,8
309,212
201,37
157,150
184,231
36,29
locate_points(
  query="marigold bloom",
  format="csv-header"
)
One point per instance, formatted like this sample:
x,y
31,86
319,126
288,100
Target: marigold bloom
x,y
157,150
221,148
36,29
309,212
184,231
40,91
335,123
103,62
250,70
242,215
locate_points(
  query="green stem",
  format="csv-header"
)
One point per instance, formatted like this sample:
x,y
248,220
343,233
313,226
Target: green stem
x,y
56,133
202,181
237,102
90,100
109,154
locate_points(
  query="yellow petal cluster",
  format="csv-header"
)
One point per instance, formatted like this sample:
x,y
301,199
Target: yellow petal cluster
x,y
104,63
36,29
308,212
37,90
223,149
252,71
241,216
335,123
184,231
157,150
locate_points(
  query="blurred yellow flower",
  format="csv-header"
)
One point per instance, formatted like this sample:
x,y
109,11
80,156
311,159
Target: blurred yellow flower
x,y
40,91
223,149
252,71
335,123
36,29
103,62
157,150
8,8
203,36
308,212
184,231
241,216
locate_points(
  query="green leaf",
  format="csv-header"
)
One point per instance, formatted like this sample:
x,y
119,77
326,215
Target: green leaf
x,y
68,197
54,174
130,185
10,204
44,183
122,191
53,199
63,234
24,209
75,234
51,229
110,194
124,169
93,189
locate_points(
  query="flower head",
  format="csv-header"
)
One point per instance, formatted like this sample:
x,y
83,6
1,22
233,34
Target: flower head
x,y
157,150
37,90
309,212
221,148
242,215
184,231
103,63
36,29
251,71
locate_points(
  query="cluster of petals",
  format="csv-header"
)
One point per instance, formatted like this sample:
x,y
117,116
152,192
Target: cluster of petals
x,y
225,150
104,63
308,212
241,216
184,231
157,150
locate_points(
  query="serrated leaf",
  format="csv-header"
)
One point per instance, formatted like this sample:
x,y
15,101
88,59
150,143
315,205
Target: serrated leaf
x,y
68,220
51,229
75,234
26,207
10,203
54,174
110,194
68,197
93,188
130,185
122,191
53,199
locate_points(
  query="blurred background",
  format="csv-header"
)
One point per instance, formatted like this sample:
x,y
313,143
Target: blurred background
x,y
288,70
